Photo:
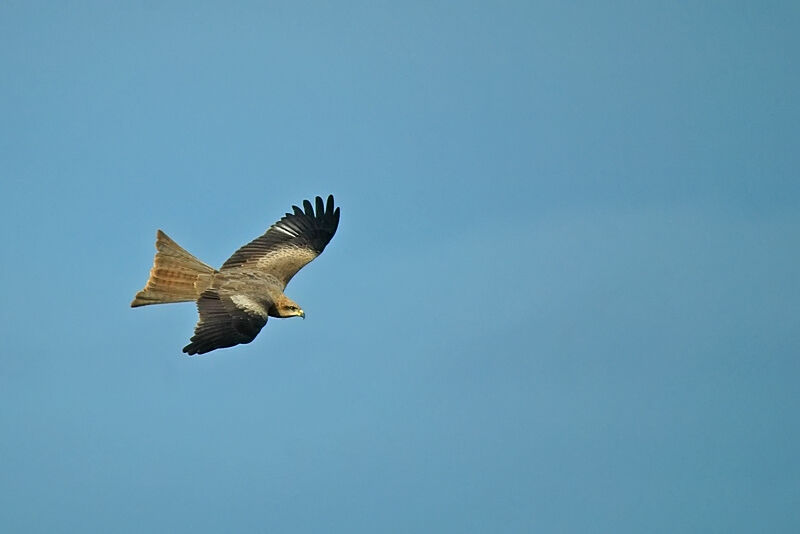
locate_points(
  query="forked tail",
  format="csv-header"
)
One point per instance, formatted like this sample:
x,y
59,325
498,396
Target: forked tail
x,y
176,276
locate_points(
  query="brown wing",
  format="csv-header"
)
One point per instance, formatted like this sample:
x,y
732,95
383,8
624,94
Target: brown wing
x,y
225,321
290,243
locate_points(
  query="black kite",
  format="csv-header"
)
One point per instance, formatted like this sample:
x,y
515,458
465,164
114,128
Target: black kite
x,y
235,301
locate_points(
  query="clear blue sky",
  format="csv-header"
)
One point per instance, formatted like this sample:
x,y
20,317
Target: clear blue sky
x,y
564,294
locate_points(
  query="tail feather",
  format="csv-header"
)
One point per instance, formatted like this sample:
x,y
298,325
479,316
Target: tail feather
x,y
176,276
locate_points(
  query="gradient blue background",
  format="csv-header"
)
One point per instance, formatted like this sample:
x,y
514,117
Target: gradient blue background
x,y
563,297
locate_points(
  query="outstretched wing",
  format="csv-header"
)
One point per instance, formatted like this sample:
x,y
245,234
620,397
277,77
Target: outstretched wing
x,y
290,243
225,321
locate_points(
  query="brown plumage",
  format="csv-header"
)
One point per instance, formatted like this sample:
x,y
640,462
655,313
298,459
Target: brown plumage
x,y
235,301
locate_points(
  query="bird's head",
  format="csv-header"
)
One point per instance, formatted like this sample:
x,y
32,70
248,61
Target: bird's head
x,y
286,307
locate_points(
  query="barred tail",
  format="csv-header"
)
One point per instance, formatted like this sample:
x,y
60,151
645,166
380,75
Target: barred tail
x,y
176,276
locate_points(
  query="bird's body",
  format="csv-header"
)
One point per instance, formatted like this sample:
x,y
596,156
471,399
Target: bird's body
x,y
235,301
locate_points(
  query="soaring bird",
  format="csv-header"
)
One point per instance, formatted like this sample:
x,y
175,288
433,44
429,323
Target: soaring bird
x,y
235,301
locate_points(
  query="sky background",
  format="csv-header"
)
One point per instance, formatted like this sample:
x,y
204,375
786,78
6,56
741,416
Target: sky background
x,y
563,296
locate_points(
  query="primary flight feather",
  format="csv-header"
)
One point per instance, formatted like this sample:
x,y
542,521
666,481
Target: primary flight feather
x,y
235,301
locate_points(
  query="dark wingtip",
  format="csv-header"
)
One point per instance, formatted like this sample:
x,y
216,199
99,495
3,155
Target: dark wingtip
x,y
320,207
192,350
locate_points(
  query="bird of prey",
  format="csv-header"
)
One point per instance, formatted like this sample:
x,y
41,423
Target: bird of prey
x,y
235,301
